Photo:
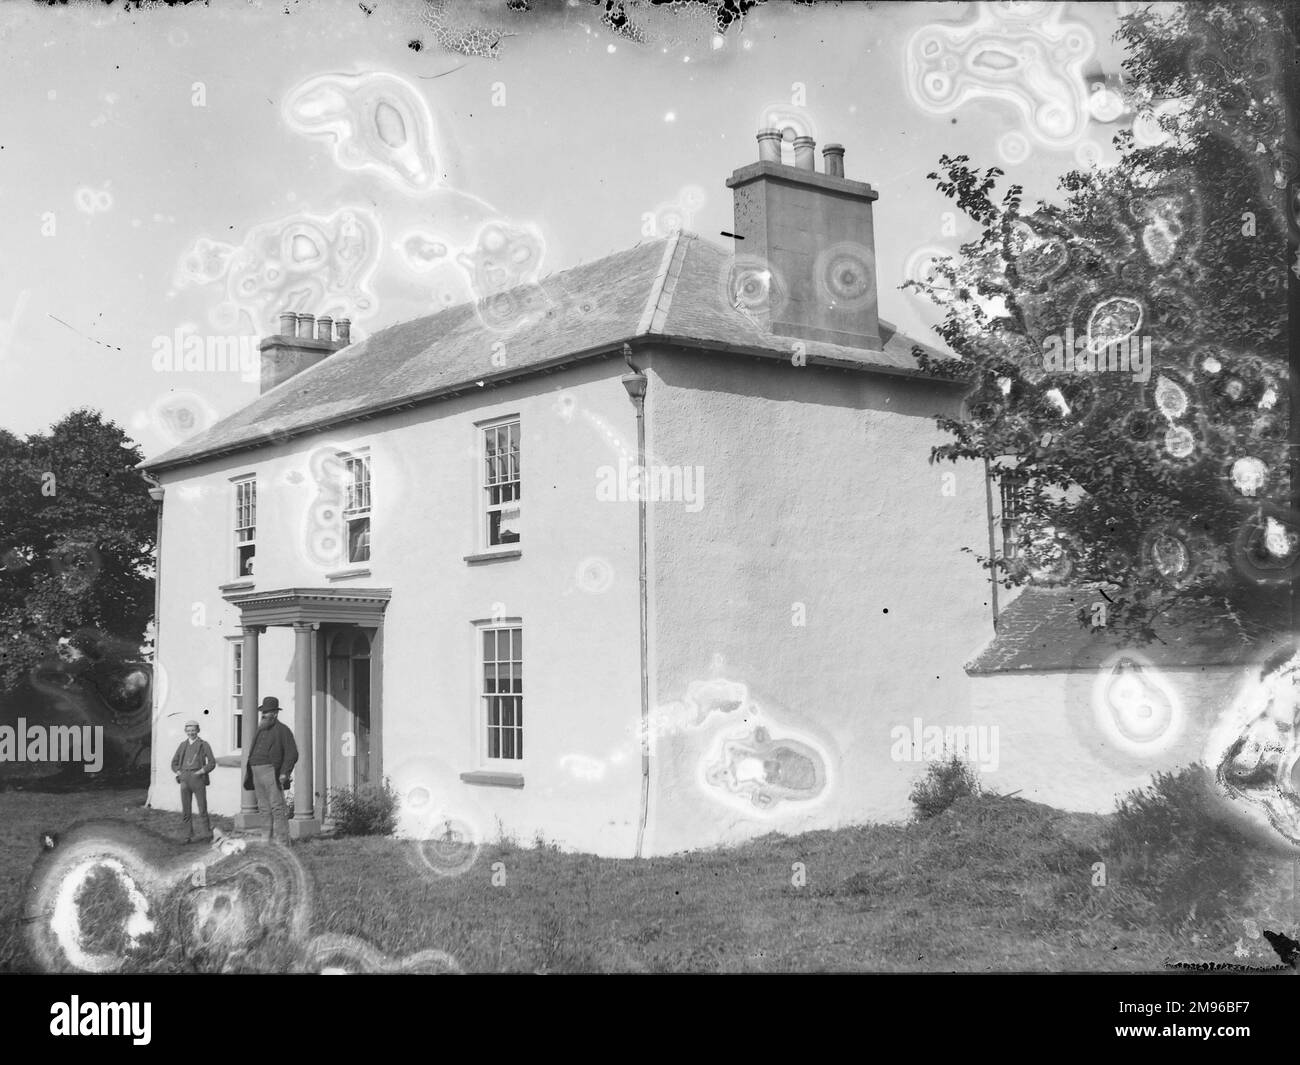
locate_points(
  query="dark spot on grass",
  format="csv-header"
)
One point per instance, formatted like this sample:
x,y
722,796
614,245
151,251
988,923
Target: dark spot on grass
x,y
103,907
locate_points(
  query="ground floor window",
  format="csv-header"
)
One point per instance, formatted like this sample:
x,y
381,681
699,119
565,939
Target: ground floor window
x,y
503,691
237,692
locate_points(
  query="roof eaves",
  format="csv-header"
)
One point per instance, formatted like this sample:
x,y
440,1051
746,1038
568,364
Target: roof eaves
x,y
654,316
389,406
1214,661
828,361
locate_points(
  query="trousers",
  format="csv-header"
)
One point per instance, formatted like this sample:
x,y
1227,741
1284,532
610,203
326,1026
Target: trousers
x,y
270,799
193,790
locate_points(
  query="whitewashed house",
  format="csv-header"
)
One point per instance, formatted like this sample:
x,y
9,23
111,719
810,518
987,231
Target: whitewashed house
x,y
434,546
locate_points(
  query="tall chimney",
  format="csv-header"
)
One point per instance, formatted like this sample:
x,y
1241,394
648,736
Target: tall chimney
x,y
294,348
324,327
816,234
345,331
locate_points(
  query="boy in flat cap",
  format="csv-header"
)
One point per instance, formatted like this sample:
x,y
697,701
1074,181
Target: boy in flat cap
x,y
192,763
270,764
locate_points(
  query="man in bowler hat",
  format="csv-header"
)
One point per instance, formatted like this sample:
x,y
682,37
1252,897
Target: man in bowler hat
x,y
192,763
270,763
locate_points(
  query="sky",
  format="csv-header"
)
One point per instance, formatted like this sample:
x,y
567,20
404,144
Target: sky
x,y
169,172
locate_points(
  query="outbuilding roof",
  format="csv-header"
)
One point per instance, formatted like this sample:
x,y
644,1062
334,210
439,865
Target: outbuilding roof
x,y
1040,631
674,290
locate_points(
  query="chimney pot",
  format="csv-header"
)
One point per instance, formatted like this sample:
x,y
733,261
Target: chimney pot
x,y
325,328
833,160
288,323
306,323
805,149
344,326
769,145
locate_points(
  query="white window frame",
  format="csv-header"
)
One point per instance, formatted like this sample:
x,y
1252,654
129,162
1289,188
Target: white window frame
x,y
235,677
1010,487
485,432
357,508
483,710
243,505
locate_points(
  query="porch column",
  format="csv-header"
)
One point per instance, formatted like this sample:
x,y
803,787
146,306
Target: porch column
x,y
377,705
248,816
321,745
304,647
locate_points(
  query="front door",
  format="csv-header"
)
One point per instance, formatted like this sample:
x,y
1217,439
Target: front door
x,y
348,705
361,717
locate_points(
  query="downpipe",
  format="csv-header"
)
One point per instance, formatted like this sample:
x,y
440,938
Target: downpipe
x,y
156,493
635,383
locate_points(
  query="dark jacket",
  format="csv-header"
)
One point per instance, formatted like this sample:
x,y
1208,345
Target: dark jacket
x,y
282,752
193,759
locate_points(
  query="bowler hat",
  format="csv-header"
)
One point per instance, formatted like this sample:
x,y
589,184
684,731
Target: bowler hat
x,y
269,705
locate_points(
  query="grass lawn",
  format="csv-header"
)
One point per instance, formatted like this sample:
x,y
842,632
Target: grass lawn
x,y
992,884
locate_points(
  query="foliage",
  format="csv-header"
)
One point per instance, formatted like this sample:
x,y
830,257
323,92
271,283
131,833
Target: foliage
x,y
76,545
364,810
1177,487
943,784
1175,857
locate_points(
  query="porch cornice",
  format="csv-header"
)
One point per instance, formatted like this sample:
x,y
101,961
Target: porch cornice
x,y
289,606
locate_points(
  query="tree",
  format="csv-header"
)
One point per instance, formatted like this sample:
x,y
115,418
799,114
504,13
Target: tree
x,y
76,543
1127,347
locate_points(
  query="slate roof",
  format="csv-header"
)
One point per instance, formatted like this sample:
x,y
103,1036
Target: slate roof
x,y
674,289
1040,632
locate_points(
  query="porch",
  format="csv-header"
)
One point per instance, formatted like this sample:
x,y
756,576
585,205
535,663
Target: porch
x,y
337,692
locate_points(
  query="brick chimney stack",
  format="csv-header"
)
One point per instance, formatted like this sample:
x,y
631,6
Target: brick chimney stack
x,y
816,234
303,341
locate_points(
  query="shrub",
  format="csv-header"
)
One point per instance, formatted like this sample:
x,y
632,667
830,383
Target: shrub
x,y
943,784
366,810
1178,854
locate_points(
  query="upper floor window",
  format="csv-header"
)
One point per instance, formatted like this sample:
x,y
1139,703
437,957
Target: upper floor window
x,y
356,508
501,482
245,526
